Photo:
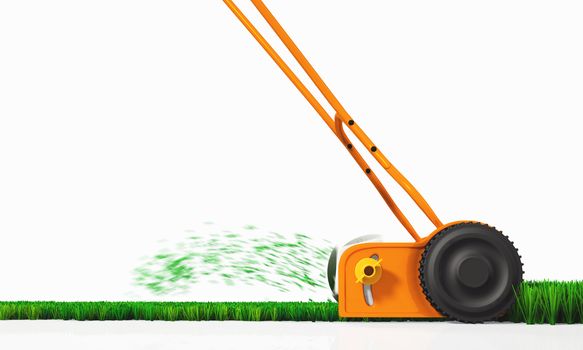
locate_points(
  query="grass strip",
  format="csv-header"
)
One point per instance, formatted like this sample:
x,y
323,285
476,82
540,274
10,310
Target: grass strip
x,y
542,302
169,311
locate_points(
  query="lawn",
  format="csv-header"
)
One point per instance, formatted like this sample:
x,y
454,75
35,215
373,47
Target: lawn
x,y
537,303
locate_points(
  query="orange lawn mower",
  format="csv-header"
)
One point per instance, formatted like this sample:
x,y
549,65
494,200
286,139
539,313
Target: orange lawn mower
x,y
464,270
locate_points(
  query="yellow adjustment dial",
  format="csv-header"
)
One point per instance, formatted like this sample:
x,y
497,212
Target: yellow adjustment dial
x,y
368,271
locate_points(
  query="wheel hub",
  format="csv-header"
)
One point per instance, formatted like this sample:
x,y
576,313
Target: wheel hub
x,y
473,272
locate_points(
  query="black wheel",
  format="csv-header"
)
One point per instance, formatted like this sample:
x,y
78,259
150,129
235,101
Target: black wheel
x,y
469,272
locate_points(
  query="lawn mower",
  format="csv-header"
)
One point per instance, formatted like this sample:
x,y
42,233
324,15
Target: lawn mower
x,y
463,270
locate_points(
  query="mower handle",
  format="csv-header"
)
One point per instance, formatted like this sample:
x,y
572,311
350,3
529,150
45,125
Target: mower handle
x,y
341,118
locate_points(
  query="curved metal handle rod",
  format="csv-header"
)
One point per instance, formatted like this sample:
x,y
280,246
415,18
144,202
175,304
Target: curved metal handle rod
x,y
341,115
346,118
281,64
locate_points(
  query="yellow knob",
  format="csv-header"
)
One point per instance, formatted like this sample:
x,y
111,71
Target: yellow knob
x,y
368,271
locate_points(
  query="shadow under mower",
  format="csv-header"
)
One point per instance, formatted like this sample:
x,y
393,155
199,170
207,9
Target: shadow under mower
x,y
464,270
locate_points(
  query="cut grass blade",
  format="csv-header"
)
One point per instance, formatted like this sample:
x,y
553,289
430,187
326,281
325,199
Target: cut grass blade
x,y
526,307
550,302
567,303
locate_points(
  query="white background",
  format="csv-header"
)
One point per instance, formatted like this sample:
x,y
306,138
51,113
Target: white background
x,y
126,122
285,335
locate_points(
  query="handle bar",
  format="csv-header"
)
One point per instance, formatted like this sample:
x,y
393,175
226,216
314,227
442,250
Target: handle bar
x,y
341,118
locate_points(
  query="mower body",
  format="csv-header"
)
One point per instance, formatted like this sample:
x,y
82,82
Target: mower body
x,y
398,293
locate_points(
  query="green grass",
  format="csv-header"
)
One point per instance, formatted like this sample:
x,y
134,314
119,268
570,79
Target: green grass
x,y
549,302
538,302
169,311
